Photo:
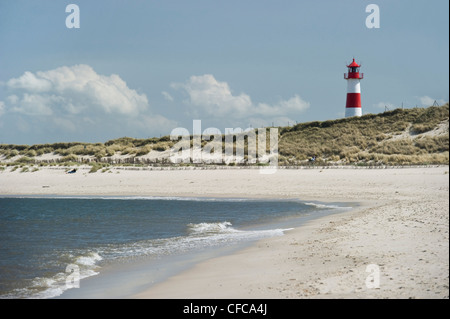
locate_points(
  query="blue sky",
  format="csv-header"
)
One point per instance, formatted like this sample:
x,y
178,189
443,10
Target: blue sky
x,y
142,68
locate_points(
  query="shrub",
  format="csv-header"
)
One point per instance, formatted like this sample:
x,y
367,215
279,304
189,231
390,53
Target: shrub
x,y
69,158
437,144
24,159
421,128
95,167
143,151
100,154
31,153
160,148
110,151
12,154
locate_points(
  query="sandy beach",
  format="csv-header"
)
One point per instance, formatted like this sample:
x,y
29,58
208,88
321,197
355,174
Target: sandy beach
x,y
394,245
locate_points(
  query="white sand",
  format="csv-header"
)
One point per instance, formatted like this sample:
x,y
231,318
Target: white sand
x,y
402,227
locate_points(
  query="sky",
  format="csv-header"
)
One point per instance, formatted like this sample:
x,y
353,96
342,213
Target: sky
x,y
143,68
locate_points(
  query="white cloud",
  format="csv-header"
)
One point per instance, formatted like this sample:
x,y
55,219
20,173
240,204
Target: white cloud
x,y
428,101
30,82
77,101
216,99
167,96
34,104
73,89
291,106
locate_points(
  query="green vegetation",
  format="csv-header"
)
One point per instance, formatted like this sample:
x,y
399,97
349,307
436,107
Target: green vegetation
x,y
96,166
387,138
399,137
24,169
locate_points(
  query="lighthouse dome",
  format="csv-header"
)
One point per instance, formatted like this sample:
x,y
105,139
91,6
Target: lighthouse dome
x,y
353,64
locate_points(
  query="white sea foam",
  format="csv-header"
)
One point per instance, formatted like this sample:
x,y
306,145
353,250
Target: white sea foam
x,y
54,286
212,234
200,235
88,260
325,206
211,228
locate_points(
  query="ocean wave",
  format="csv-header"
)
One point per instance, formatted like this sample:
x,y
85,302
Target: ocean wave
x,y
210,228
199,236
326,206
80,267
88,260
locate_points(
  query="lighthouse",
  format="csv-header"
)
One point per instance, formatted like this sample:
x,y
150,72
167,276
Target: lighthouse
x,y
353,77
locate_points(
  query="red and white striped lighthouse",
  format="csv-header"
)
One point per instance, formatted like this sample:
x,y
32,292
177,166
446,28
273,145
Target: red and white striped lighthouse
x,y
353,77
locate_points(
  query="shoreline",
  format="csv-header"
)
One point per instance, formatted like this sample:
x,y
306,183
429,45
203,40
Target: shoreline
x,y
318,261
210,279
143,274
402,228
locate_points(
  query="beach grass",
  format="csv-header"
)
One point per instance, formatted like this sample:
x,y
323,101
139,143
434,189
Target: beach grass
x,y
399,137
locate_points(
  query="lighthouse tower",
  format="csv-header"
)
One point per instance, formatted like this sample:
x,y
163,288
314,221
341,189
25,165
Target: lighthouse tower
x,y
353,77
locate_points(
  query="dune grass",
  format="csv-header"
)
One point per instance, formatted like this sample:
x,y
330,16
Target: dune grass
x,y
398,137
371,137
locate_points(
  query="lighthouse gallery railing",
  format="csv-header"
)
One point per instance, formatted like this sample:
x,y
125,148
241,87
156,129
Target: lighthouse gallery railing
x,y
355,75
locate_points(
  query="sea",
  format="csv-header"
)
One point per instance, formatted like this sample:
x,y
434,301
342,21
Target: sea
x,y
110,247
